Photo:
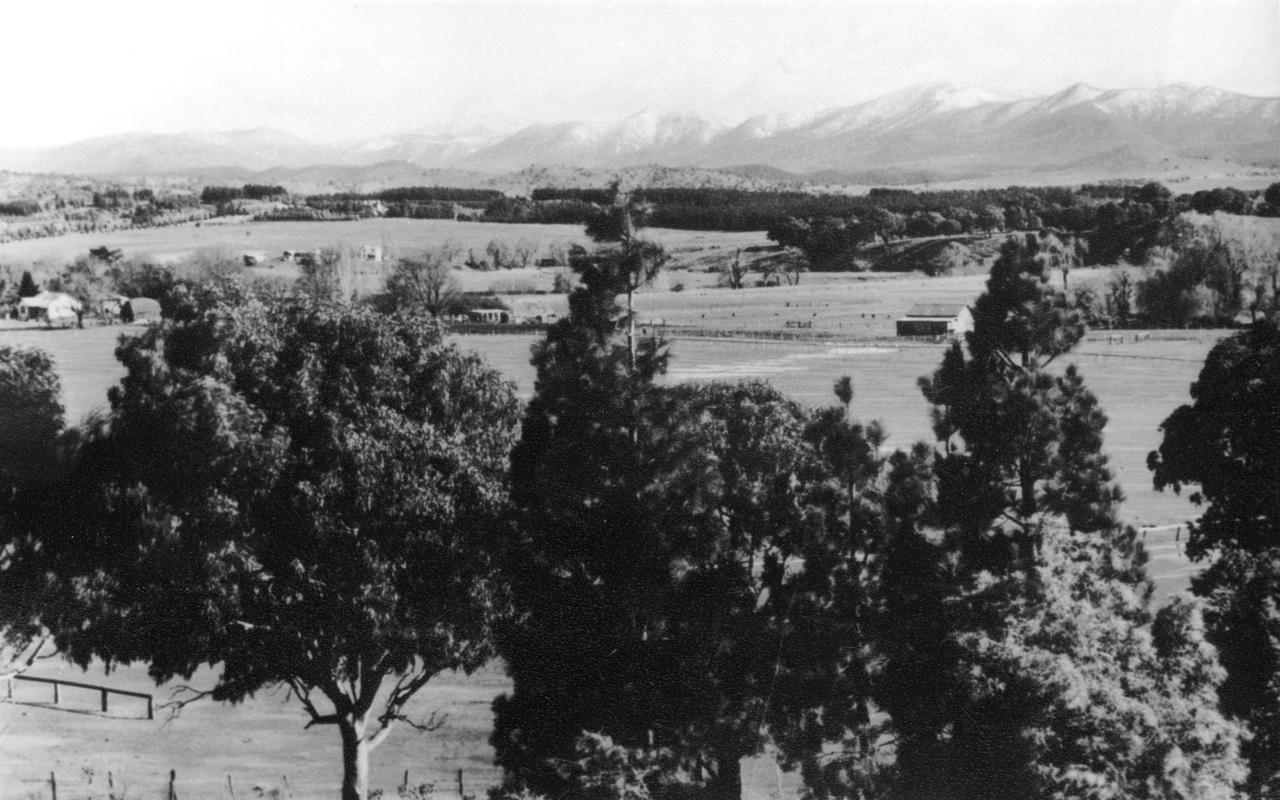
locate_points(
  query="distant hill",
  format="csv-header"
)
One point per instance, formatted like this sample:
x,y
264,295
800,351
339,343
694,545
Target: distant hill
x,y
925,134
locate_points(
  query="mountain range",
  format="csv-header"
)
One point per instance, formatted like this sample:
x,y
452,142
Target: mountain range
x,y
929,133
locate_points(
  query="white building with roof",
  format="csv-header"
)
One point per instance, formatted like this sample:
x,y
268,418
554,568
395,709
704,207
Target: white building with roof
x,y
936,319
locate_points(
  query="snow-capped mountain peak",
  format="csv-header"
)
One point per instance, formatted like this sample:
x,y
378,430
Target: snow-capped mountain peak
x,y
966,129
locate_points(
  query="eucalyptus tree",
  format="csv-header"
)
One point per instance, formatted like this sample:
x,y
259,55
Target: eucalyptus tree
x,y
298,493
31,431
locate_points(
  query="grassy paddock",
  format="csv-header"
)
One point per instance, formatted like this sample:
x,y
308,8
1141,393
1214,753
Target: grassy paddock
x,y
261,743
395,236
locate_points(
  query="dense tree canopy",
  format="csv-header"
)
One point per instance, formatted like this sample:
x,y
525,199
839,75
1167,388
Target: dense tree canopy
x,y
299,493
1016,653
588,566
655,557
31,420
1049,681
1224,444
31,428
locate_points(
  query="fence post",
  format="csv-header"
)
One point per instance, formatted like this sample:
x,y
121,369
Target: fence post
x,y
104,701
149,714
173,774
460,794
53,785
55,693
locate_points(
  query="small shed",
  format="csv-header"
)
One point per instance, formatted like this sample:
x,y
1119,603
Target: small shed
x,y
145,309
936,319
55,308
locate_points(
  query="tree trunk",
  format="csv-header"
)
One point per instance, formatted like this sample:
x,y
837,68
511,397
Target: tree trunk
x,y
1027,503
1027,509
631,330
355,760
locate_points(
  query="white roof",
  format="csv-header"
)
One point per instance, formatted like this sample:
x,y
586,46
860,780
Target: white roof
x,y
50,300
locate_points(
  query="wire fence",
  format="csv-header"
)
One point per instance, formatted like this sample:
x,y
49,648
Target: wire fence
x,y
88,784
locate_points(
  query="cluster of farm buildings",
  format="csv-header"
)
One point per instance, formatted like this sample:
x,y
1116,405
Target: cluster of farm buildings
x,y
368,252
65,310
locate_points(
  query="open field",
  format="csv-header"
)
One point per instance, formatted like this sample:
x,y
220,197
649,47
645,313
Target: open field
x,y
260,743
395,236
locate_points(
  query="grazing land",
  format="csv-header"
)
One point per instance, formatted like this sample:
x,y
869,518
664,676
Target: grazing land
x,y
261,744
395,236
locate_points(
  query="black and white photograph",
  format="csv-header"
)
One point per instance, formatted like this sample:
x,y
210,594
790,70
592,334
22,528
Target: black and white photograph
x,y
640,400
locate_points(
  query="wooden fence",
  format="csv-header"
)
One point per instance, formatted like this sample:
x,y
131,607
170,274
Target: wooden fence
x,y
58,683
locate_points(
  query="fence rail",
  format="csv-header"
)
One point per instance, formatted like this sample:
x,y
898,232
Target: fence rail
x,y
59,682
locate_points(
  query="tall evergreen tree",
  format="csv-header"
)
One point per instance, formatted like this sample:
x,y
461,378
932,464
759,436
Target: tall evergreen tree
x,y
27,288
654,563
1016,655
855,508
1019,441
629,260
585,559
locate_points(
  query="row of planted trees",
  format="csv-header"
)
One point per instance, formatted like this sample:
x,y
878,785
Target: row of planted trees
x,y
306,493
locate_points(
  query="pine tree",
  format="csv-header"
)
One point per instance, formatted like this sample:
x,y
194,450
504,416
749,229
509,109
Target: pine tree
x,y
28,286
1016,653
630,261
1019,441
648,565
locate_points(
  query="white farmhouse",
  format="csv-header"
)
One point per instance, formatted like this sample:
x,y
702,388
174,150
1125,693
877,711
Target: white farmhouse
x,y
54,308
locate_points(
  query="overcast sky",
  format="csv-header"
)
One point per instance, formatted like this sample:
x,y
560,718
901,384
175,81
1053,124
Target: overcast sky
x,y
336,70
